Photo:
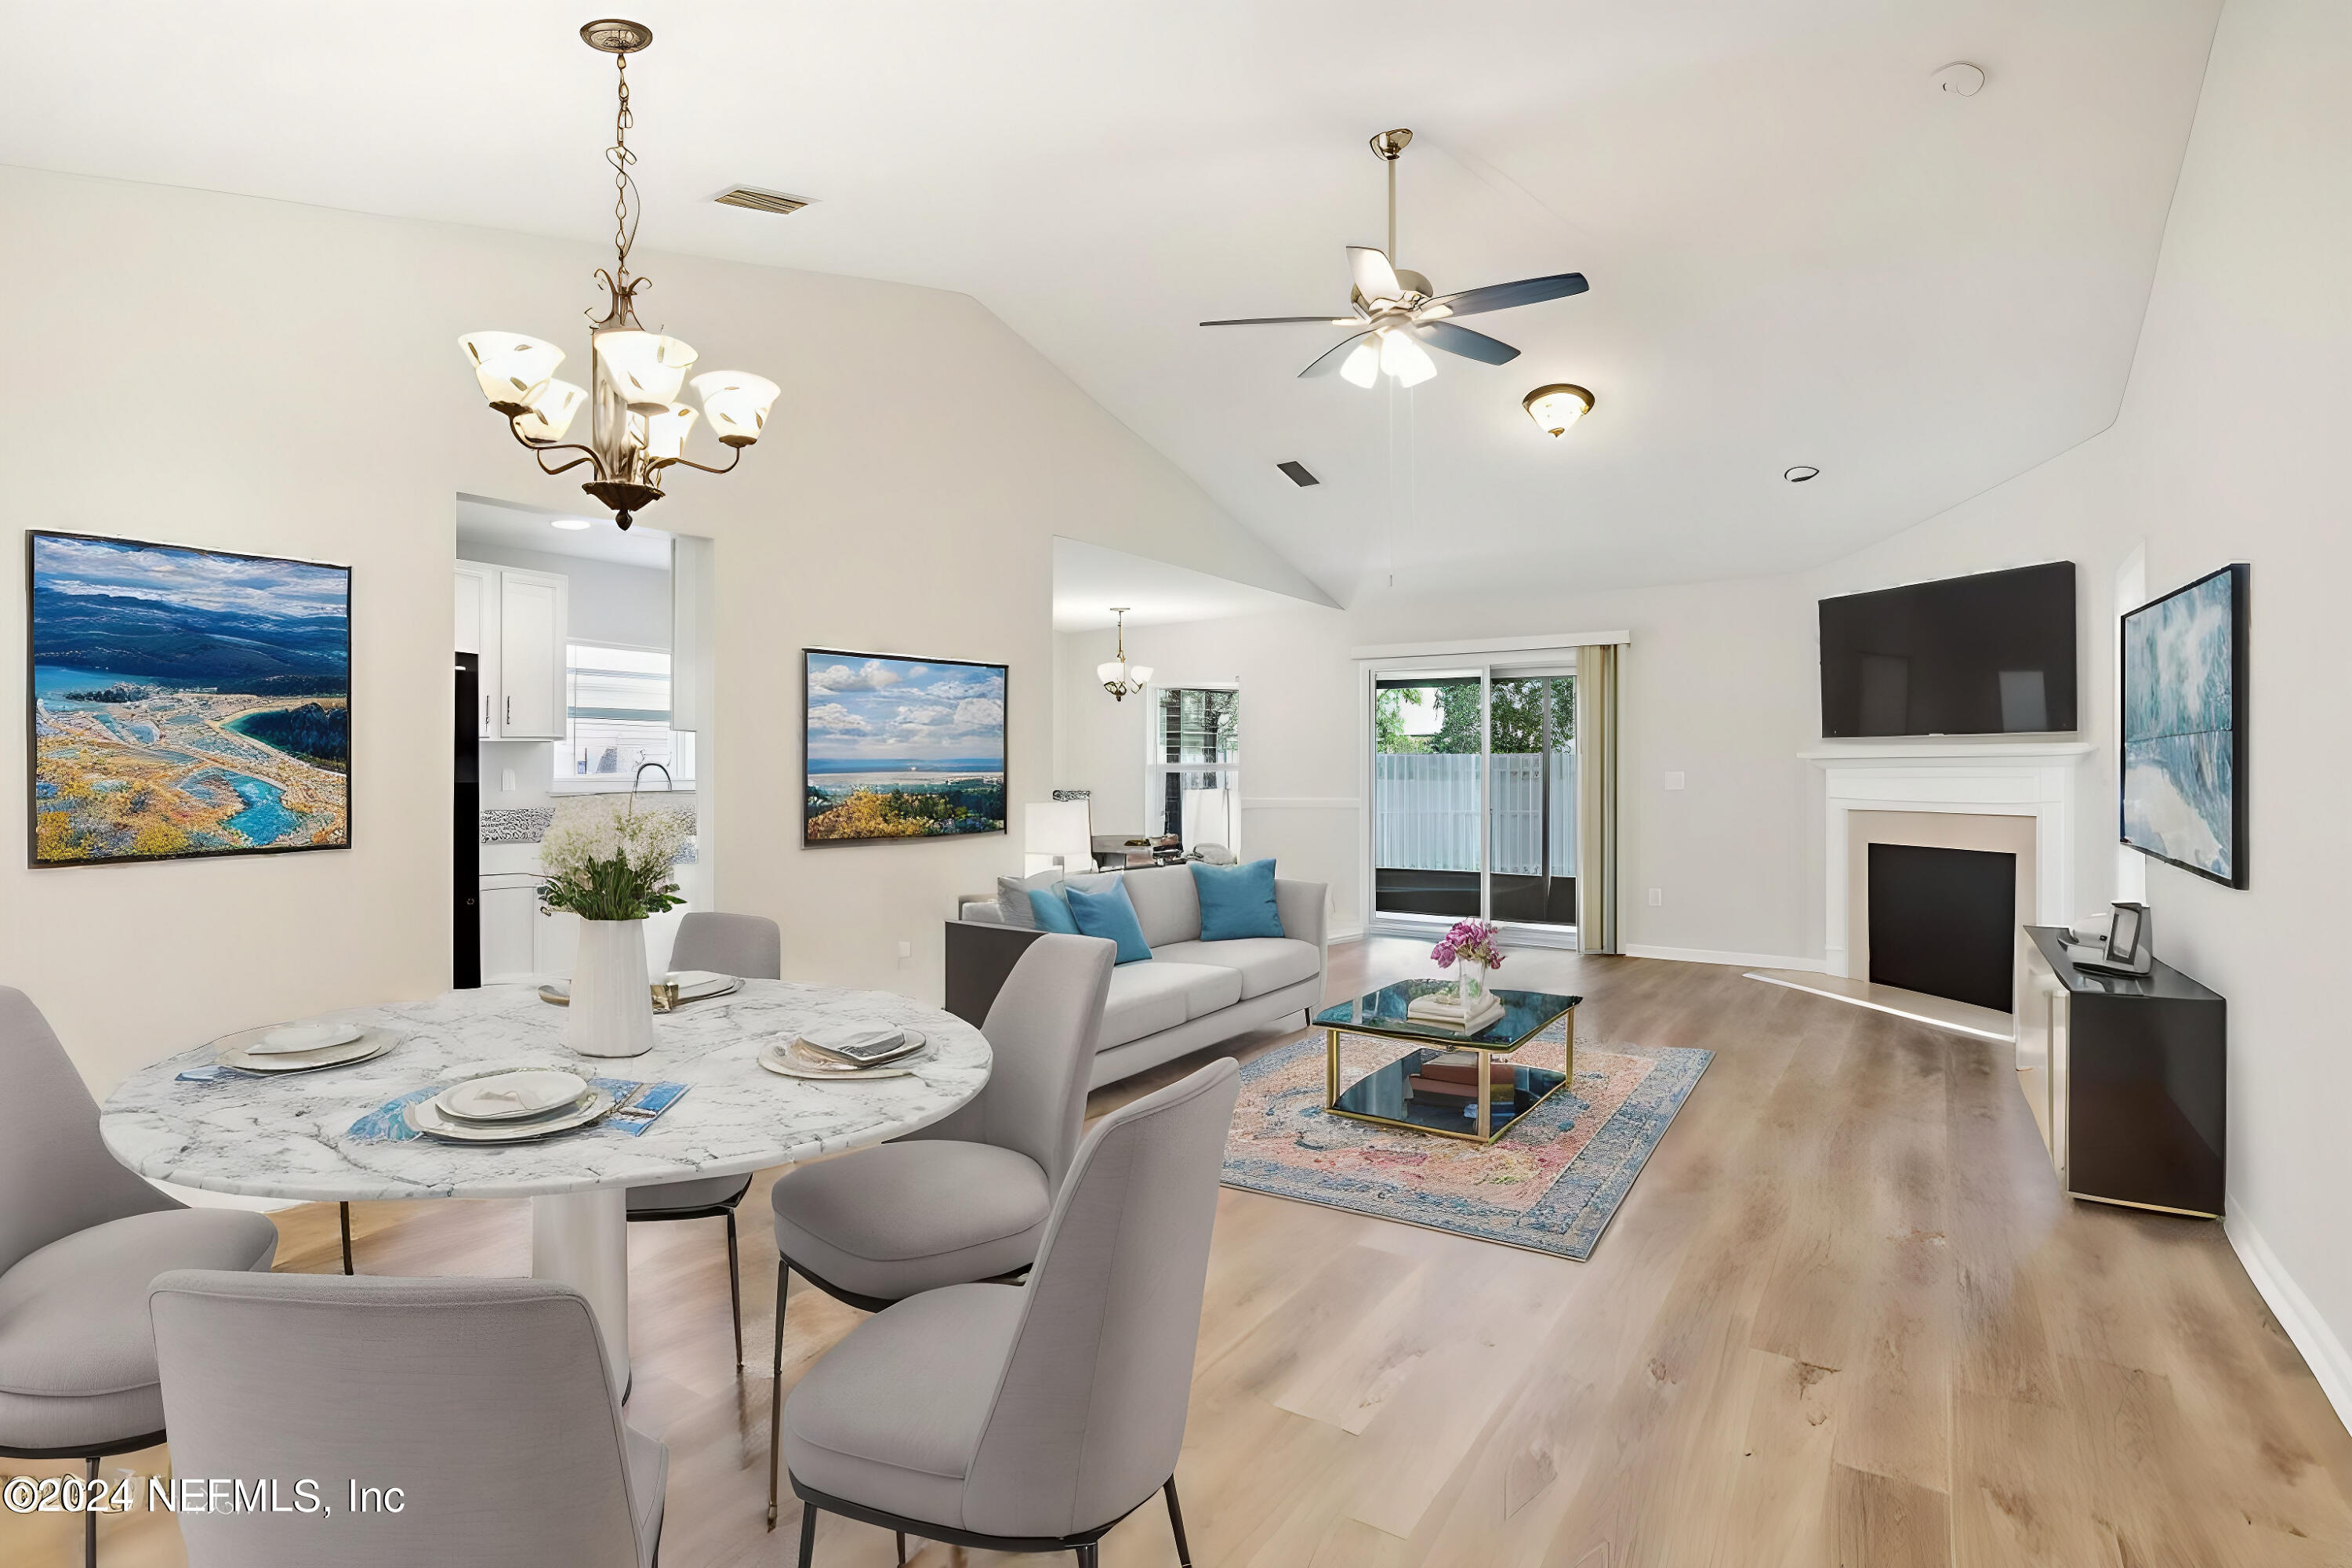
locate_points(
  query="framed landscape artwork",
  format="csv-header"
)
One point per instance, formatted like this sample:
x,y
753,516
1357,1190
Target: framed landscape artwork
x,y
184,702
2184,726
901,748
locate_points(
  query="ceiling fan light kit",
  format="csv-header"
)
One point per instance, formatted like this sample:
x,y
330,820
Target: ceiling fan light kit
x,y
1118,678
637,428
1399,314
1556,407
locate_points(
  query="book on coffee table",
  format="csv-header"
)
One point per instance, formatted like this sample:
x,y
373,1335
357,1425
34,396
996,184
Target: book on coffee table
x,y
1446,1012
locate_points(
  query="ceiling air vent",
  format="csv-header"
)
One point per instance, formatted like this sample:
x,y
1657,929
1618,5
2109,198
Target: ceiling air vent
x,y
1297,474
759,201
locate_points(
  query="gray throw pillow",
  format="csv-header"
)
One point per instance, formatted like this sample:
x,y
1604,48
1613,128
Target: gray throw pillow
x,y
1013,898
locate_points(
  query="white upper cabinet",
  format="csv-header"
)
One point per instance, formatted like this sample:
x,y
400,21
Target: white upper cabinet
x,y
519,624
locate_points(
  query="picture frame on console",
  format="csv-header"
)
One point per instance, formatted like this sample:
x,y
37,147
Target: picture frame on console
x,y
2182,792
897,747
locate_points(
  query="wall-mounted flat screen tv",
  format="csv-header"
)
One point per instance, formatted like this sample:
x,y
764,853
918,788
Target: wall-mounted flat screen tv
x,y
1987,655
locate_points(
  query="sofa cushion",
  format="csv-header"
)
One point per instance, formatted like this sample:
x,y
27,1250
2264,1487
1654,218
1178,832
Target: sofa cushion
x,y
1013,898
1262,963
1237,902
1167,905
1049,909
1109,915
1146,998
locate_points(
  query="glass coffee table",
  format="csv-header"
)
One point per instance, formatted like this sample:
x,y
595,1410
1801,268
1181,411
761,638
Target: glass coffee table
x,y
1450,1083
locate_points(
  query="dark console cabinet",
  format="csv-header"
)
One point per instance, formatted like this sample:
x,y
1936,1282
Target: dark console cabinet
x,y
2128,1079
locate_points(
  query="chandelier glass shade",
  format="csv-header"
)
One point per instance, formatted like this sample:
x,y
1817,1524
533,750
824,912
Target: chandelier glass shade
x,y
637,428
1121,678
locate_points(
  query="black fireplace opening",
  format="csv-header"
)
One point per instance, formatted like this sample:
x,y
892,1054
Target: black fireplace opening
x,y
1944,922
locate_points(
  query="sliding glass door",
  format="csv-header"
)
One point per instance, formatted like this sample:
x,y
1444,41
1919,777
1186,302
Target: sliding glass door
x,y
1473,797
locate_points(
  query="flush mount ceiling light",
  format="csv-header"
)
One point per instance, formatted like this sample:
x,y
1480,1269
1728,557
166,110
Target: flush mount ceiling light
x,y
1800,473
1556,407
571,524
1121,678
1397,312
637,429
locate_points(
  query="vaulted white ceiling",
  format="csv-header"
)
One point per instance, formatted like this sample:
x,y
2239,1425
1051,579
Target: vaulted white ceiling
x,y
1799,251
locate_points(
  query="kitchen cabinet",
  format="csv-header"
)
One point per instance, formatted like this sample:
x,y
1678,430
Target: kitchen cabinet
x,y
517,621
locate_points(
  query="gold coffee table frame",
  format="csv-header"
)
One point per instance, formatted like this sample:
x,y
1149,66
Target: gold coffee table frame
x,y
1487,1132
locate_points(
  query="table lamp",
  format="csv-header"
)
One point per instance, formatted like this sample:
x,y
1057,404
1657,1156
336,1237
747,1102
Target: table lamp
x,y
1057,833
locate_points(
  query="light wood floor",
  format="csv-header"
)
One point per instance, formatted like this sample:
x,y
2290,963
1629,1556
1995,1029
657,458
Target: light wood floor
x,y
1843,1318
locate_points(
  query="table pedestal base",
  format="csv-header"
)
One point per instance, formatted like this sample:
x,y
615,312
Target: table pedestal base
x,y
581,1239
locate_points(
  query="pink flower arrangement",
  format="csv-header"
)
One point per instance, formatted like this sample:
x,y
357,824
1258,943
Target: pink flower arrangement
x,y
1474,940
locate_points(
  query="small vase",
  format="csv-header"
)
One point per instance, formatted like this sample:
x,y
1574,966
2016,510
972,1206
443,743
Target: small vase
x,y
1470,985
612,999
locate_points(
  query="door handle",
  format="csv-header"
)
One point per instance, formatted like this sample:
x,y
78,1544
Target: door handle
x,y
486,712
509,711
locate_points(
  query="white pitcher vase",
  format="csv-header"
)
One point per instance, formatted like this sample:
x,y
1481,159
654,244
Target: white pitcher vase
x,y
612,995
1470,985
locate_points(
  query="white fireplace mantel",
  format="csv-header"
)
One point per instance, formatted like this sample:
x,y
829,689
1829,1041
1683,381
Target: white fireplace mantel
x,y
2001,778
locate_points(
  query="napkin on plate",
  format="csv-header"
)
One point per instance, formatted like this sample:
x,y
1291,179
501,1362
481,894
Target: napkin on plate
x,y
854,1042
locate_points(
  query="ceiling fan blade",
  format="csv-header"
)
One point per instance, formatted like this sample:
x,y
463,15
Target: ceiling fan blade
x,y
1330,362
1504,296
1279,320
1375,278
1462,340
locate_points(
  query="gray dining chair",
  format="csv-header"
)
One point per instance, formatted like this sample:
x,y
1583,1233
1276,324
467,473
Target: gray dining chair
x,y
1034,1417
968,1197
80,1237
748,947
487,1403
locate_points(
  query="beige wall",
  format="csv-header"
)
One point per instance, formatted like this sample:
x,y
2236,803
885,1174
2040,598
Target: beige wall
x,y
260,377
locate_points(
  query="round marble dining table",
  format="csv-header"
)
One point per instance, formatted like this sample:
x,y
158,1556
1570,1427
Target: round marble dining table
x,y
291,1135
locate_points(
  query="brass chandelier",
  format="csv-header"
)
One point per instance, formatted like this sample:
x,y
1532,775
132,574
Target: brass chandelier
x,y
637,429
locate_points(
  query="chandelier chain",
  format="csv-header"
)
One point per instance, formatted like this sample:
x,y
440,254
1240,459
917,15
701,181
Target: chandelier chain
x,y
626,204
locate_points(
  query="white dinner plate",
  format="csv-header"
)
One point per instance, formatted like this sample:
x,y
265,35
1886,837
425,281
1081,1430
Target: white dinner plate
x,y
236,1051
304,1037
694,984
510,1096
793,1060
590,1107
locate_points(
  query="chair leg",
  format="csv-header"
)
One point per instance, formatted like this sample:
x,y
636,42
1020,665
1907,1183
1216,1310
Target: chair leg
x,y
776,1410
1089,1556
1176,1523
900,1536
90,1517
343,1214
735,1288
808,1534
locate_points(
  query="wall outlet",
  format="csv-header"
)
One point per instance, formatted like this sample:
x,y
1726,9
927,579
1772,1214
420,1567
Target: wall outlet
x,y
1657,898
1673,780
905,950
506,780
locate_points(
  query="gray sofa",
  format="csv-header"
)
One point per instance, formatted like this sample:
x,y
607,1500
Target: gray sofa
x,y
1191,994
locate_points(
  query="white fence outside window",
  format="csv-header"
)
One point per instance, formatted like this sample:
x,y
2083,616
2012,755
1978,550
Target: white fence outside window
x,y
1425,812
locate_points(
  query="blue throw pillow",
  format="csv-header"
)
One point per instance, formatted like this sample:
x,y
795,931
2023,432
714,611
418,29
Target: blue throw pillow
x,y
1111,913
1051,910
1236,901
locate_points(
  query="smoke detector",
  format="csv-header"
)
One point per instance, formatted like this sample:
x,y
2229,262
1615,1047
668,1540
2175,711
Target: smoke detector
x,y
1960,80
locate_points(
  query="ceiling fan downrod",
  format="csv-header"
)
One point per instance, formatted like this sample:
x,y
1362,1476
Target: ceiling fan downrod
x,y
1391,146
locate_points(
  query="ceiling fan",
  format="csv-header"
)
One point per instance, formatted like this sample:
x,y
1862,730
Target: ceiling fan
x,y
1398,311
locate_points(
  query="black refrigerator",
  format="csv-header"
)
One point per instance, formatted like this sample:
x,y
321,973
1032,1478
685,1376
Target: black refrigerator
x,y
466,831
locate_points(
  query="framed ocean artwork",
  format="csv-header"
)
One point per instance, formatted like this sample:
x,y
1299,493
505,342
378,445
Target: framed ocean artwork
x,y
900,748
184,702
2184,726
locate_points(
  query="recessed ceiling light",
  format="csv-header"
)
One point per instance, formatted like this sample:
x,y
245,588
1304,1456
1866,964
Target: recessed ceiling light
x,y
1800,473
571,522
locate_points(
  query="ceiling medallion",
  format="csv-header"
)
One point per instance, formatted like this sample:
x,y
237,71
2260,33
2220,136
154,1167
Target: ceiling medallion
x,y
637,429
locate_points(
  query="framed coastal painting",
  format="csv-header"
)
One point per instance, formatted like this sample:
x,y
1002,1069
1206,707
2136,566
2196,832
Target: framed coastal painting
x,y
184,702
2184,726
900,748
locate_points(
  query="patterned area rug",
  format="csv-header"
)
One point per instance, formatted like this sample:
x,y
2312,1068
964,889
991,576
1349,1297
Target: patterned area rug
x,y
1550,1184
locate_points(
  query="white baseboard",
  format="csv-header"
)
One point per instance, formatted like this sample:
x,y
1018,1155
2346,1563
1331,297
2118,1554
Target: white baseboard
x,y
1709,955
1346,933
2322,1351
